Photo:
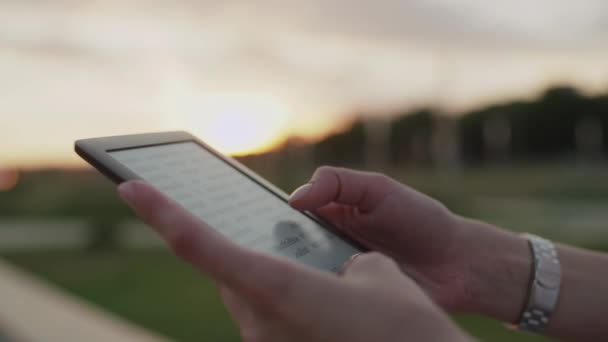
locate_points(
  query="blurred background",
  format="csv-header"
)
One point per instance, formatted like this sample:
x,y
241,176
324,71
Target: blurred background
x,y
500,110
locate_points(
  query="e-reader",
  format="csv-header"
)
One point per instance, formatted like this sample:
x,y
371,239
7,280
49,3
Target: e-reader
x,y
221,192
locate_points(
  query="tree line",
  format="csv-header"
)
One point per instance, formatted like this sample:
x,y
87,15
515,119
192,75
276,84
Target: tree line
x,y
561,123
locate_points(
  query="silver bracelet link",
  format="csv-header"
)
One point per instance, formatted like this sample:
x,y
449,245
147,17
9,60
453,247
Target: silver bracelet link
x,y
545,285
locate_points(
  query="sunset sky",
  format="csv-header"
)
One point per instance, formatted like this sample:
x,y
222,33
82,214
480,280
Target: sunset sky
x,y
245,74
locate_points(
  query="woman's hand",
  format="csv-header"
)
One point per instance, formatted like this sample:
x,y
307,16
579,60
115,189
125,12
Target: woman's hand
x,y
463,265
277,300
371,301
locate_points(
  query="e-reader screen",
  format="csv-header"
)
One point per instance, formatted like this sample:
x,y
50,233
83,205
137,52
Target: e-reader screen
x,y
234,204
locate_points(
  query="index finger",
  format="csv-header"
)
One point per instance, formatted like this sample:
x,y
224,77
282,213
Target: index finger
x,y
364,190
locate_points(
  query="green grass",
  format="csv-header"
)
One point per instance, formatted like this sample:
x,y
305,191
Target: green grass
x,y
152,289
157,291
541,181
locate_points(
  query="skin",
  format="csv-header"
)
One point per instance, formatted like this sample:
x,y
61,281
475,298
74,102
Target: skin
x,y
462,264
457,264
276,300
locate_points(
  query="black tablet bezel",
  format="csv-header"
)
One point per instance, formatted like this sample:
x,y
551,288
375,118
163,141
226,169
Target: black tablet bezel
x,y
96,151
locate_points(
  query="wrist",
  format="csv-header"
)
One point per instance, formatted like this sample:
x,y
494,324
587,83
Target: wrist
x,y
500,266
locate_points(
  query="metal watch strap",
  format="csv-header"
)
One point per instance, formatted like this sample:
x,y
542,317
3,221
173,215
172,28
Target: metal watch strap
x,y
544,287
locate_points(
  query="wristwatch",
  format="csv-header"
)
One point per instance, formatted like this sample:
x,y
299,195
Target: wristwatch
x,y
544,287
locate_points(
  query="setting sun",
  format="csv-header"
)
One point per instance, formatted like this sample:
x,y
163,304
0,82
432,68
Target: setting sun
x,y
234,123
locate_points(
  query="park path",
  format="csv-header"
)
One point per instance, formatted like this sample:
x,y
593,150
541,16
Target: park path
x,y
33,311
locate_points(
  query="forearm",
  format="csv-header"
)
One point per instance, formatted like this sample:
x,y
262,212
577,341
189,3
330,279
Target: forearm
x,y
500,266
583,303
501,274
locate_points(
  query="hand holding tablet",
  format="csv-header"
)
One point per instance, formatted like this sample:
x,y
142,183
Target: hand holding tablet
x,y
239,229
224,194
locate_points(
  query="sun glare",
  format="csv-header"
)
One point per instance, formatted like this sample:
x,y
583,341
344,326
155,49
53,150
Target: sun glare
x,y
239,124
234,123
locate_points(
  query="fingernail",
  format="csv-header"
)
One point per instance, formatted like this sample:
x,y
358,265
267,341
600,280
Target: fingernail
x,y
300,192
127,191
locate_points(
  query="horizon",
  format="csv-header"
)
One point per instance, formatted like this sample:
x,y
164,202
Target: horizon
x,y
268,143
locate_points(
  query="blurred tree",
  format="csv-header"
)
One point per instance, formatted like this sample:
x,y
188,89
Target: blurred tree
x,y
474,130
343,149
410,137
377,152
445,142
598,108
589,135
497,138
543,129
550,129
